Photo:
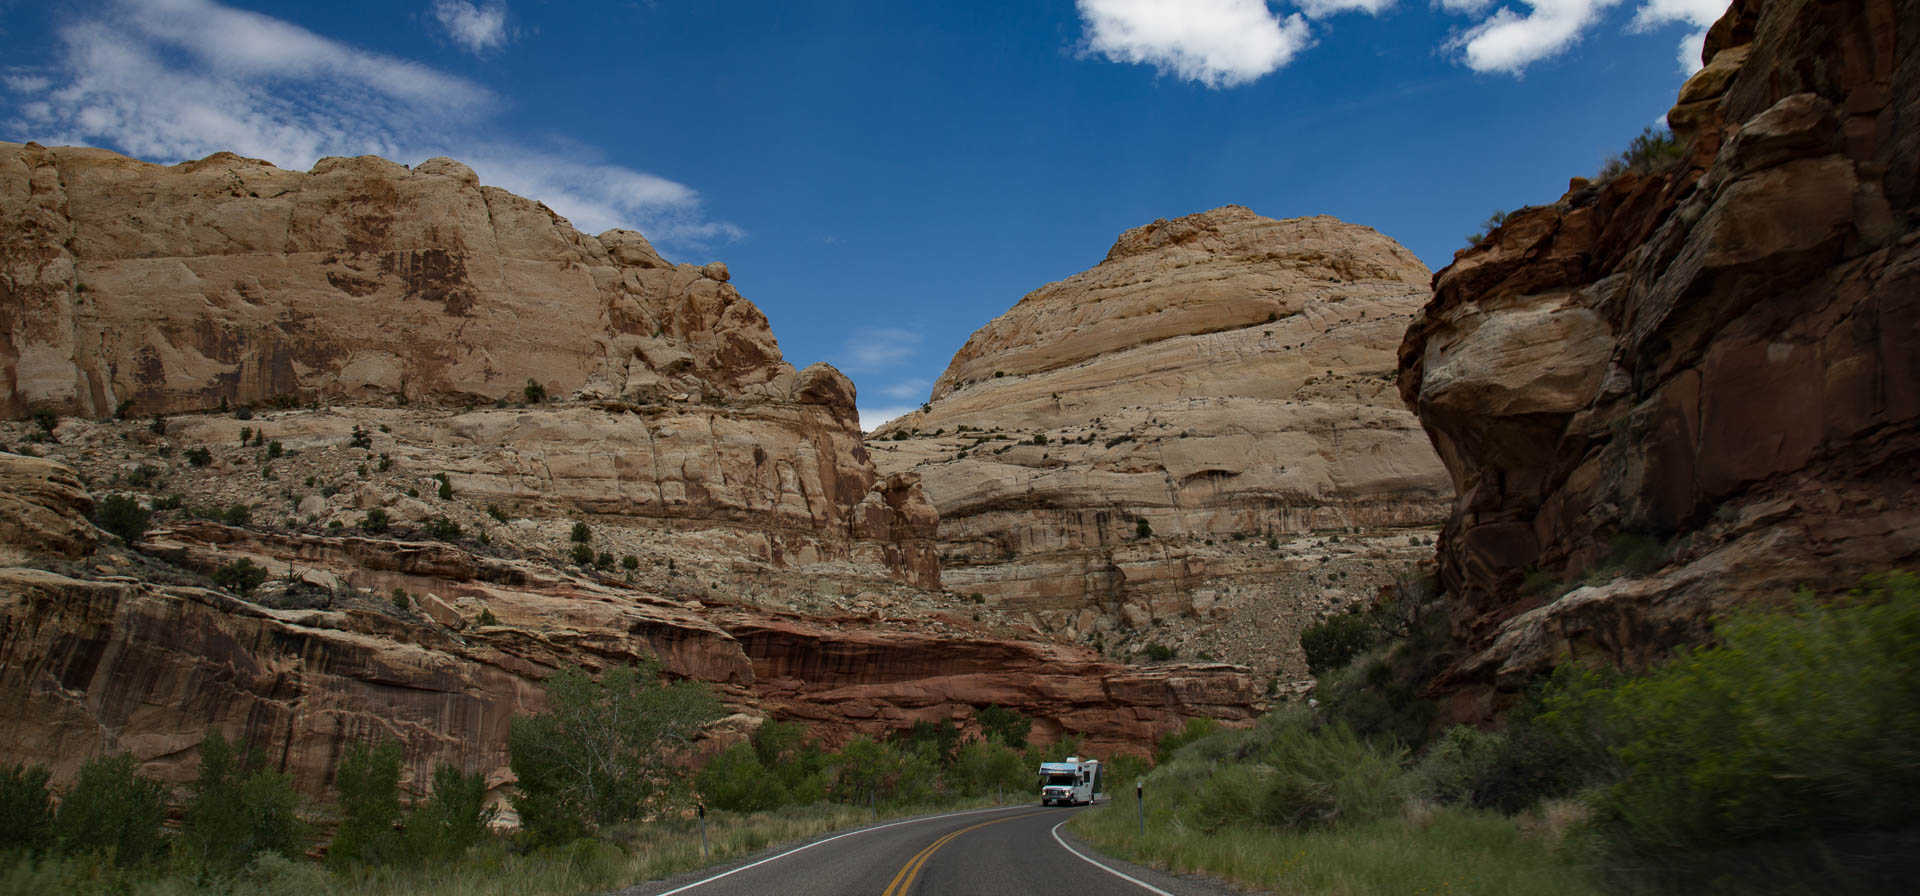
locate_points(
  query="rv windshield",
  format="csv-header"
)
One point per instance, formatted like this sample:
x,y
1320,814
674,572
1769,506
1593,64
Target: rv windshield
x,y
1059,779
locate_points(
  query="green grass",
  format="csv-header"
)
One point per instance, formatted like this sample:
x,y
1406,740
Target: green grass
x,y
1424,850
644,852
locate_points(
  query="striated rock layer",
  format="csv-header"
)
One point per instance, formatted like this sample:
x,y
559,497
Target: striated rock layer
x,y
381,334
110,656
1226,377
1692,390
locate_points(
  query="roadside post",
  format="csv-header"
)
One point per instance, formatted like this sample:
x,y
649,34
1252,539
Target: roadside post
x,y
1140,799
702,809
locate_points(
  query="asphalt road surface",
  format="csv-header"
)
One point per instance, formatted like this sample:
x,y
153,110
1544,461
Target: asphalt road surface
x,y
1009,851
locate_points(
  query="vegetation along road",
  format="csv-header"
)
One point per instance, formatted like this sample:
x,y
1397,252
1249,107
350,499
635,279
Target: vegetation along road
x,y
1004,852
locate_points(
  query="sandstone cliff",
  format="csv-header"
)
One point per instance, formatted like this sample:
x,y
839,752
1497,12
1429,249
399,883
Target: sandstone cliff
x,y
1225,377
373,330
1664,396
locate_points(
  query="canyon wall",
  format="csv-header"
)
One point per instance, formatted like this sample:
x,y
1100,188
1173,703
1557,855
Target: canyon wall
x,y
337,375
1227,379
1670,394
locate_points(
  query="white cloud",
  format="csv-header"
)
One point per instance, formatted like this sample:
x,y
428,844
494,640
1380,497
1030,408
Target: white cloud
x,y
1509,42
1701,14
168,80
1320,9
478,28
1217,43
876,347
871,418
1463,7
907,390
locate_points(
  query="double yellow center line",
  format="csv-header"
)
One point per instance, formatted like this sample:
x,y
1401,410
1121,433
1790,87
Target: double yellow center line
x,y
903,881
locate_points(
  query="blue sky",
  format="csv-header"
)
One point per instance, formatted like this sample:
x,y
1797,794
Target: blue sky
x,y
885,177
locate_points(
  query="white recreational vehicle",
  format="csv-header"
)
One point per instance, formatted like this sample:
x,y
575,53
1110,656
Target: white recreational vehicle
x,y
1070,783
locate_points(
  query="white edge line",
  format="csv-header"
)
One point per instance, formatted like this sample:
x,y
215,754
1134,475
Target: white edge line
x,y
1082,857
707,880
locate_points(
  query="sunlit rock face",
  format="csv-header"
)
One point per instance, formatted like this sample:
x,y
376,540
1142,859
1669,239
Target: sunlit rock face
x,y
1697,389
345,367
1224,376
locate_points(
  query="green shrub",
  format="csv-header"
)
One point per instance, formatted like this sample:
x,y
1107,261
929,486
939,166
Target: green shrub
x,y
199,457
401,601
581,534
1335,640
604,560
581,554
246,435
534,392
1172,741
375,521
274,449
240,577
159,425
360,438
1795,741
446,486
988,766
369,783
630,563
123,516
1009,726
453,819
606,750
26,808
1160,652
112,810
1289,772
1142,528
236,515
238,808
1487,227
1654,151
443,529
735,781
499,516
47,420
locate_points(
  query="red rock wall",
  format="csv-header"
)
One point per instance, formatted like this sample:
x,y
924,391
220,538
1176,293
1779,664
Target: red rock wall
x,y
1718,364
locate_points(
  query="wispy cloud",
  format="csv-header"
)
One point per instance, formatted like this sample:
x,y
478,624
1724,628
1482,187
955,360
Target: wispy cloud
x,y
905,390
1320,9
871,418
872,348
1508,41
478,28
169,80
1216,43
1699,13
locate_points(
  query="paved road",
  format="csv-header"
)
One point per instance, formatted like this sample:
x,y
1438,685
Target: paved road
x,y
1009,851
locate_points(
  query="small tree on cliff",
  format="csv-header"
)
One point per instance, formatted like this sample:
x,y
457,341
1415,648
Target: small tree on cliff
x,y
606,750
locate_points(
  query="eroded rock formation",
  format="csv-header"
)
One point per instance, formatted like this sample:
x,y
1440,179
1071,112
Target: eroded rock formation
x,y
1694,389
380,335
1225,377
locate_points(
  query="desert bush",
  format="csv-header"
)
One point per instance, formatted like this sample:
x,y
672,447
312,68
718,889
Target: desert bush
x,y
360,438
533,392
123,516
238,808
988,766
26,808
446,486
1654,151
581,554
1008,725
735,781
1487,227
240,577
606,750
1334,641
199,456
1172,741
236,515
581,534
112,810
443,529
1160,653
1793,742
453,819
375,521
369,783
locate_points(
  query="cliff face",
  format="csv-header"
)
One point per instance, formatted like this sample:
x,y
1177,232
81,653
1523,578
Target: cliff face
x,y
174,288
1687,391
374,329
121,652
1225,377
